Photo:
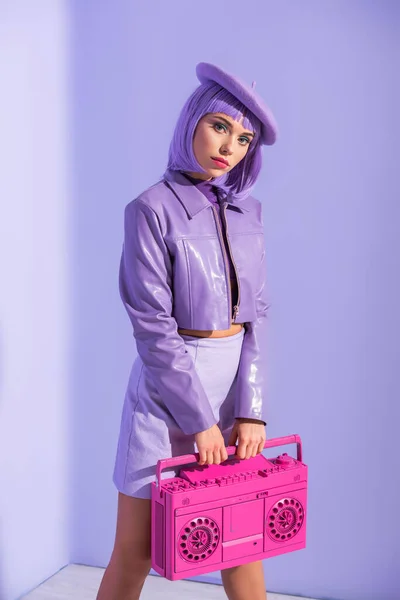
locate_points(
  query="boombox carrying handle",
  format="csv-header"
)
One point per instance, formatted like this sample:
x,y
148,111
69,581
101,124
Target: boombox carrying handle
x,y
189,458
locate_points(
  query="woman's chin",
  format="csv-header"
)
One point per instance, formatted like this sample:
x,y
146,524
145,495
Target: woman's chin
x,y
208,174
214,172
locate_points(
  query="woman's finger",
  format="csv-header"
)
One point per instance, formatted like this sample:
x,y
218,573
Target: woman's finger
x,y
233,437
217,456
241,449
249,450
202,457
254,450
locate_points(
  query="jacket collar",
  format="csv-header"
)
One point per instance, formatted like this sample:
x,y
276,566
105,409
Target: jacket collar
x,y
191,198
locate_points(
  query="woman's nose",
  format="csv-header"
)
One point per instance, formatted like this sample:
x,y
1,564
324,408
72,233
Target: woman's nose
x,y
226,149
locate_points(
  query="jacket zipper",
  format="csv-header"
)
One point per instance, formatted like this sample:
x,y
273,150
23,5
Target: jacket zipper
x,y
235,308
228,283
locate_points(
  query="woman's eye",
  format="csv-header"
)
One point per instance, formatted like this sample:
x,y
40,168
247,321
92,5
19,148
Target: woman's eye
x,y
220,125
246,140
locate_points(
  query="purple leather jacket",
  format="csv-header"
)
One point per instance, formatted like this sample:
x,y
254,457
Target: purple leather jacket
x,y
174,274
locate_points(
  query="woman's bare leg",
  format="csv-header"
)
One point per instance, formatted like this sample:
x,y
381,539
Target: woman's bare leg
x,y
130,561
245,582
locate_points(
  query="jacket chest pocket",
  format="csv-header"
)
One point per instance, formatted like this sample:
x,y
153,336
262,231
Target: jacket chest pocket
x,y
199,280
248,251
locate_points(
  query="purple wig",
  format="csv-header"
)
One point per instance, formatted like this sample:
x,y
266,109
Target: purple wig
x,y
212,98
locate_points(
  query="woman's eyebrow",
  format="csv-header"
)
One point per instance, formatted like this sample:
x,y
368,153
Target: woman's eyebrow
x,y
230,125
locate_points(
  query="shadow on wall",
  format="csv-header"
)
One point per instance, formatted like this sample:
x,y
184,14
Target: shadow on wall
x,y
102,99
2,546
2,593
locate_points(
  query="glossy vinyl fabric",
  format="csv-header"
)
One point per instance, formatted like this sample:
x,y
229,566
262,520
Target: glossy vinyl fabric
x,y
174,274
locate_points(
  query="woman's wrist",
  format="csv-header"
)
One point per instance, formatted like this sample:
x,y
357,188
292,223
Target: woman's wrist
x,y
245,420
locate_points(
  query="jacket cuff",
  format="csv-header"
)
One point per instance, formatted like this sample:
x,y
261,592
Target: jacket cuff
x,y
251,377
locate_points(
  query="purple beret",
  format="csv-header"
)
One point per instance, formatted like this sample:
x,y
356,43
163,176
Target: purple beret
x,y
247,95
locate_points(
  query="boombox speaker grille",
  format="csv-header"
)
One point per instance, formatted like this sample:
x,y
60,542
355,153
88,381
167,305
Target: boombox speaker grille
x,y
285,519
198,539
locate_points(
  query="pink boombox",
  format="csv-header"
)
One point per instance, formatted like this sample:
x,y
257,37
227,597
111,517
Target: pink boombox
x,y
214,517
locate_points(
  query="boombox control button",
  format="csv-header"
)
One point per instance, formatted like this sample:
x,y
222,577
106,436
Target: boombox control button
x,y
284,460
209,482
185,484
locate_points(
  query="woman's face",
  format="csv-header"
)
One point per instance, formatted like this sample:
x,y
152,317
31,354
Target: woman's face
x,y
219,136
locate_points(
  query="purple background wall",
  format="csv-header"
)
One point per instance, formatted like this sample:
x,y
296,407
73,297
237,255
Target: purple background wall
x,y
329,189
34,293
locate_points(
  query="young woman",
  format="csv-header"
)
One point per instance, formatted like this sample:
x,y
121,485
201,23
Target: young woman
x,y
192,279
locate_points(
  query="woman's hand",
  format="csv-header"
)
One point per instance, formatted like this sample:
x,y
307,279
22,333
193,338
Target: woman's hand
x,y
250,435
211,446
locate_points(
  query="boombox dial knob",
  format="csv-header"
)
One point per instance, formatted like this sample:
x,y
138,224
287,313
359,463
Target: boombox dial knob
x,y
284,460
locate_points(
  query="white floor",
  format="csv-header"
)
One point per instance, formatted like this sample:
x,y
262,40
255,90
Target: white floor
x,y
81,583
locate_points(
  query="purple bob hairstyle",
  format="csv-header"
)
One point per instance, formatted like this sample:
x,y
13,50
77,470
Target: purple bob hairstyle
x,y
212,98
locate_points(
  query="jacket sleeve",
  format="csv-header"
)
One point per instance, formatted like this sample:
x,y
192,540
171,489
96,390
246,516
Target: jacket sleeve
x,y
251,381
145,289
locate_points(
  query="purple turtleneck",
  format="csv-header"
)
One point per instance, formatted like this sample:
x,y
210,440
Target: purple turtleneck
x,y
211,193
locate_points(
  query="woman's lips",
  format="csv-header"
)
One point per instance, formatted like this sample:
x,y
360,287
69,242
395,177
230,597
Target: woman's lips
x,y
219,163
